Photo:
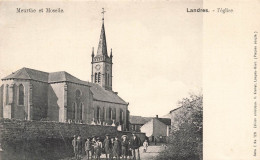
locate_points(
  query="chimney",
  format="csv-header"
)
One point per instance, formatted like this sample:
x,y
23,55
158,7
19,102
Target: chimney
x,y
156,116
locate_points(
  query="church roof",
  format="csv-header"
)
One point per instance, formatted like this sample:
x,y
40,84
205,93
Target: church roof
x,y
102,45
101,94
54,77
64,77
28,74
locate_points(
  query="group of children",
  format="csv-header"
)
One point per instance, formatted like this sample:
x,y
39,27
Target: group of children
x,y
112,147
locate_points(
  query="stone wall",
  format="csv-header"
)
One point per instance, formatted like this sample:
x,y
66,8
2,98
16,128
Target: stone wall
x,y
11,108
18,130
55,101
85,99
39,100
48,140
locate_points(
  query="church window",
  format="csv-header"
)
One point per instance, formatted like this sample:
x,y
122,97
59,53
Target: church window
x,y
96,77
99,77
78,93
108,79
80,111
110,113
21,95
98,114
7,94
73,111
105,79
103,113
121,116
114,113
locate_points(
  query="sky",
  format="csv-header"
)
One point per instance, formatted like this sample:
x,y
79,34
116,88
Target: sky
x,y
157,46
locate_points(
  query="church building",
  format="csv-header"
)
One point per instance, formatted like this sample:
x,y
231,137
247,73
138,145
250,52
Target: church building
x,y
29,94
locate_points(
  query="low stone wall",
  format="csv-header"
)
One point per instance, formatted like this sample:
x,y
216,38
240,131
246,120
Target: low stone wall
x,y
18,130
47,140
44,140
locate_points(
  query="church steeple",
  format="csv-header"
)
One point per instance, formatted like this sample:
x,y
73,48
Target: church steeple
x,y
102,45
101,62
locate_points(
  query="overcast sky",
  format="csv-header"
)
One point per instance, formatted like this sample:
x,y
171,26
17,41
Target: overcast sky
x,y
157,46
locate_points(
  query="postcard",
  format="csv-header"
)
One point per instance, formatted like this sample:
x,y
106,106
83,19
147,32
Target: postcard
x,y
129,80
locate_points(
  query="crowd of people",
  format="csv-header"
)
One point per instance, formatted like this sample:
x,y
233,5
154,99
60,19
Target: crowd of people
x,y
113,147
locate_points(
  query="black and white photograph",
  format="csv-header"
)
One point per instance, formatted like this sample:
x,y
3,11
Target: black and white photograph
x,y
117,80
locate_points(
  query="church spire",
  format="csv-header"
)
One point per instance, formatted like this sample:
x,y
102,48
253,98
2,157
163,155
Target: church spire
x,y
102,45
102,62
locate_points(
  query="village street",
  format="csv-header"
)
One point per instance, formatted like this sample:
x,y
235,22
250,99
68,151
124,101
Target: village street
x,y
151,153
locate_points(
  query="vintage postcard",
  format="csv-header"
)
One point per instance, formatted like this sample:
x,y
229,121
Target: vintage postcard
x,y
161,80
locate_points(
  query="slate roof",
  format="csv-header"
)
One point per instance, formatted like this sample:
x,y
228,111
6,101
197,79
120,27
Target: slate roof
x,y
139,119
54,77
176,109
28,74
101,94
166,121
64,77
102,45
142,120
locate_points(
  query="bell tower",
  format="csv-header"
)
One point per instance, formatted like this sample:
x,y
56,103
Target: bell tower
x,y
101,62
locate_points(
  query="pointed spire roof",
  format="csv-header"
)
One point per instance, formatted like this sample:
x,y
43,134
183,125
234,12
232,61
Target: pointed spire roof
x,y
102,45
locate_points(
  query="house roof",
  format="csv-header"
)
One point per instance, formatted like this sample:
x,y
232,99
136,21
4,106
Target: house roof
x,y
139,119
166,121
176,109
101,94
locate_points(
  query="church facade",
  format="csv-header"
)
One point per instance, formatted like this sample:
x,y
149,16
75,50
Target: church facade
x,y
29,94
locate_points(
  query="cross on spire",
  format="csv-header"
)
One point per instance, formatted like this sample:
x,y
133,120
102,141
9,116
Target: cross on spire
x,y
103,12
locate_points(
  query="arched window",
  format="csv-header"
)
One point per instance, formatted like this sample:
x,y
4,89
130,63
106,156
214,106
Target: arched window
x,y
114,113
99,77
110,113
108,79
80,111
121,116
21,95
105,78
7,94
98,114
78,93
96,77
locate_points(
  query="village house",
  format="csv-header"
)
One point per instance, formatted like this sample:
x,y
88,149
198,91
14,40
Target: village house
x,y
157,129
136,122
154,127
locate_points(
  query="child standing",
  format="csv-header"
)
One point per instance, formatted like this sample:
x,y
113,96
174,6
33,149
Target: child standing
x,y
124,145
145,144
88,148
116,148
98,148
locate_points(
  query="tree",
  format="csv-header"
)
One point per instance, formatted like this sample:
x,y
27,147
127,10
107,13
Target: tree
x,y
186,131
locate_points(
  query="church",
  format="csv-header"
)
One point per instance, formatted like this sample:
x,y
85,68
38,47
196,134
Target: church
x,y
29,94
